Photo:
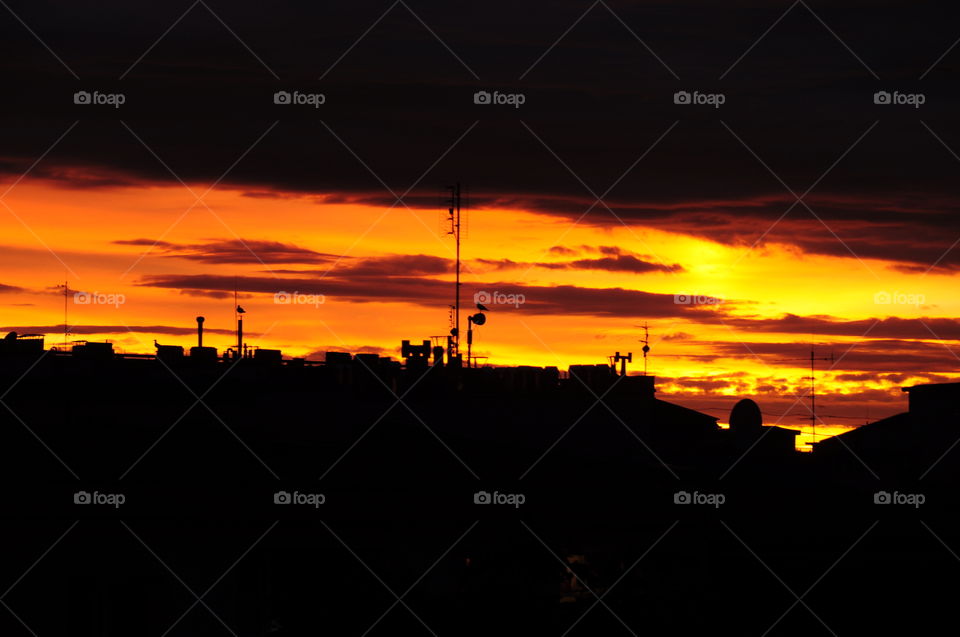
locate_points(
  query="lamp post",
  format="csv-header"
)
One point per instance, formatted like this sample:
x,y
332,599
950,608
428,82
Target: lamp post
x,y
474,319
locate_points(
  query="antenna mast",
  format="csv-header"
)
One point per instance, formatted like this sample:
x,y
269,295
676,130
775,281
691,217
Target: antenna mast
x,y
813,394
646,346
66,328
453,212
813,388
813,401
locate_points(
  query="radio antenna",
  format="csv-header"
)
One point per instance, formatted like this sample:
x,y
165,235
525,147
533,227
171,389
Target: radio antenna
x,y
646,346
453,216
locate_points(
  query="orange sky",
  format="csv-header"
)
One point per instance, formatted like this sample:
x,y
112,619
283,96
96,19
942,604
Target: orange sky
x,y
51,233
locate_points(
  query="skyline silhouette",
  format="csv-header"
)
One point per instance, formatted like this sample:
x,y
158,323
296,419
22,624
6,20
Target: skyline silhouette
x,y
556,481
588,318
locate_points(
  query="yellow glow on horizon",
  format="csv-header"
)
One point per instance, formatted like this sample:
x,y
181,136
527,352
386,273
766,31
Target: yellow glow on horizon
x,y
81,226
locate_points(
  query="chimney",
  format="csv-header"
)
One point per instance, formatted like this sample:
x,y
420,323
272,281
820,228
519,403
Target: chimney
x,y
200,321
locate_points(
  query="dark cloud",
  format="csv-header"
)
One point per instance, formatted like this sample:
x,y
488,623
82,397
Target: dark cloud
x,y
882,356
232,251
596,101
703,384
561,299
623,263
618,260
258,251
896,378
890,327
394,265
209,294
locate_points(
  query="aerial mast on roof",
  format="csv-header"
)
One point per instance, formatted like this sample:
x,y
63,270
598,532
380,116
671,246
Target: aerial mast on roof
x,y
813,394
453,216
646,346
238,313
813,388
66,327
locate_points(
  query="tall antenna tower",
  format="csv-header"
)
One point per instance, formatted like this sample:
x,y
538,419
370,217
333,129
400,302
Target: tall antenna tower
x,y
813,388
646,346
453,216
66,326
813,393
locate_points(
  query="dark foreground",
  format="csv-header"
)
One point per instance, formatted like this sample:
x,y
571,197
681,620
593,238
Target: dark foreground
x,y
306,501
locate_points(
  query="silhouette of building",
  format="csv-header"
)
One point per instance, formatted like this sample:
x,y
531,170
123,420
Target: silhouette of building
x,y
14,344
934,402
905,444
93,351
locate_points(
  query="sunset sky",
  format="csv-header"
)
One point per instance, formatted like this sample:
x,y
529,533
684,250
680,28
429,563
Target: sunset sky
x,y
805,213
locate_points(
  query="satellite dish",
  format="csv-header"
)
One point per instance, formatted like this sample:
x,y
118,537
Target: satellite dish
x,y
479,318
746,416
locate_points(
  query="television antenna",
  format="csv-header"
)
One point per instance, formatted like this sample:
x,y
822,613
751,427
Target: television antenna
x,y
813,387
66,325
646,346
454,219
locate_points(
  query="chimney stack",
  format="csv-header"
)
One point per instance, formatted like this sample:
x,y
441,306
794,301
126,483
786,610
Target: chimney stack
x,y
200,321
